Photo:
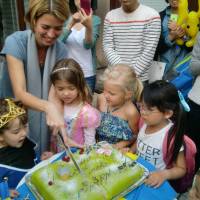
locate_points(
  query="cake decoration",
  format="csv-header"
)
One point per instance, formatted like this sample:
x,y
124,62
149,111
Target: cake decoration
x,y
81,151
50,183
66,158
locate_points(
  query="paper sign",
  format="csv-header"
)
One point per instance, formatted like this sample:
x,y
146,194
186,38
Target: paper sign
x,y
156,71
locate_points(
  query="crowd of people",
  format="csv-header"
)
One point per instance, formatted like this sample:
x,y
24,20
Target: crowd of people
x,y
49,80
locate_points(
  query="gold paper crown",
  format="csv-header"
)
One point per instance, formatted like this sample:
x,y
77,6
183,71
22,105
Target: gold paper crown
x,y
14,111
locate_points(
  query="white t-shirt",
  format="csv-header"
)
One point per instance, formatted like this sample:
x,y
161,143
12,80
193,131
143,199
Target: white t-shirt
x,y
149,146
77,51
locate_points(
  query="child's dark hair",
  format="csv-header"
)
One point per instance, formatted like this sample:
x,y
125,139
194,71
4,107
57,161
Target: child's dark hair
x,y
5,109
192,5
164,96
72,6
69,70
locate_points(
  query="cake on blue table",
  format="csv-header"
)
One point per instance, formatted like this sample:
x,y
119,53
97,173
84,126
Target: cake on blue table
x,y
107,174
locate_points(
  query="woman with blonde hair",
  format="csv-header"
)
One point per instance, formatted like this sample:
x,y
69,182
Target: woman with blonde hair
x,y
30,56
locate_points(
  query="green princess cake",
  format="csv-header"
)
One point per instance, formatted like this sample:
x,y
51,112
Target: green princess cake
x,y
107,174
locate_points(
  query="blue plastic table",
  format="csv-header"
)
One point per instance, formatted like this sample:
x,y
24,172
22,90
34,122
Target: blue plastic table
x,y
143,192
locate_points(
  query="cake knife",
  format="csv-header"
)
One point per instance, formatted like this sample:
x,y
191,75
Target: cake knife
x,y
68,150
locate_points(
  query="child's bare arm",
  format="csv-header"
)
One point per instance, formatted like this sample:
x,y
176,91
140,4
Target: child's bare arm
x,y
133,119
123,144
101,103
178,170
133,148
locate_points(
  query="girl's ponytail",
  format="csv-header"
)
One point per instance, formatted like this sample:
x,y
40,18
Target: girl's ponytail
x,y
177,131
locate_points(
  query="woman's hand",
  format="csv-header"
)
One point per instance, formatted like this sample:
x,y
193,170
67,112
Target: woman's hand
x,y
55,120
69,142
75,19
155,179
85,19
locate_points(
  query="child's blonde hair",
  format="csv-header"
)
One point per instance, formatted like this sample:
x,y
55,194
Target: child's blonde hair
x,y
125,76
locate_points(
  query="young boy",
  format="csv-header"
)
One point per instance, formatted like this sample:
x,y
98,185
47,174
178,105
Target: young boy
x,y
17,153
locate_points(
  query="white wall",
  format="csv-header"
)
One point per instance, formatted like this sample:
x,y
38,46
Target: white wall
x,y
103,8
156,4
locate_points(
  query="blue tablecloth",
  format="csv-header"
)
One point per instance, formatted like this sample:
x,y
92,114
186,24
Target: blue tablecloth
x,y
143,192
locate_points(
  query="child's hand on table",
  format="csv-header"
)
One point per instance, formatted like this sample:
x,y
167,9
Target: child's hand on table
x,y
155,179
13,194
125,150
46,155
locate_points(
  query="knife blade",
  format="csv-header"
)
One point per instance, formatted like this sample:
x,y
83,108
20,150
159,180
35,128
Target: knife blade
x,y
68,150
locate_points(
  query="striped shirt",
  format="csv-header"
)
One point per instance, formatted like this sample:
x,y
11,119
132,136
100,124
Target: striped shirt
x,y
132,38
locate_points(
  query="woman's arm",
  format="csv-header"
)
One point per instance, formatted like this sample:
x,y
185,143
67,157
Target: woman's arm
x,y
18,80
95,20
86,20
55,100
68,26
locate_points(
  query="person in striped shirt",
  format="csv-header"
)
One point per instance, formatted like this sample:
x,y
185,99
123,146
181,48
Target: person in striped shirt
x,y
131,35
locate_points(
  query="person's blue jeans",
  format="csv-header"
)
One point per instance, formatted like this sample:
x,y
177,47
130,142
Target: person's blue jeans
x,y
91,81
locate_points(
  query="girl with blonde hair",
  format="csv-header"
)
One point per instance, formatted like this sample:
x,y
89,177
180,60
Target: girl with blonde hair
x,y
119,119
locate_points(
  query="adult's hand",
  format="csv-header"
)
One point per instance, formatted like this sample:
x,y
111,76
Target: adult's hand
x,y
74,19
85,19
54,118
69,142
